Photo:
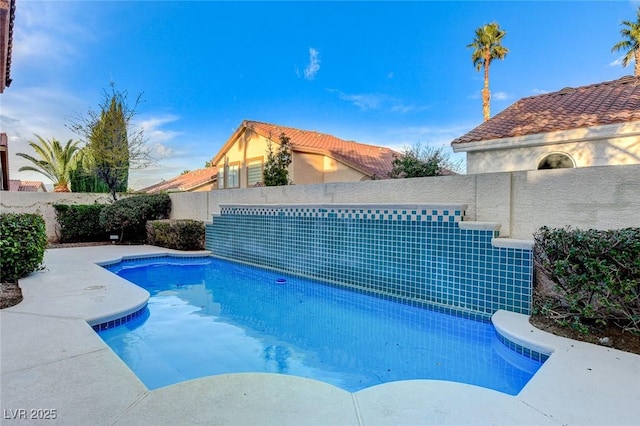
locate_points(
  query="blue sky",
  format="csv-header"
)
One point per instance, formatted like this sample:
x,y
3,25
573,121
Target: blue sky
x,y
384,73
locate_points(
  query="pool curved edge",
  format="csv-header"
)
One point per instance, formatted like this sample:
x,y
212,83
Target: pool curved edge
x,y
134,298
517,331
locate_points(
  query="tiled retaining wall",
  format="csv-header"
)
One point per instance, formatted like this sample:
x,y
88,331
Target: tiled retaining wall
x,y
415,253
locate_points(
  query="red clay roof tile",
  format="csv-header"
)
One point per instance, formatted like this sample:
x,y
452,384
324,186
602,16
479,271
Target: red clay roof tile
x,y
184,182
26,185
610,102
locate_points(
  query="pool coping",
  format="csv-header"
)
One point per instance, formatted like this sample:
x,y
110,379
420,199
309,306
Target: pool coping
x,y
52,359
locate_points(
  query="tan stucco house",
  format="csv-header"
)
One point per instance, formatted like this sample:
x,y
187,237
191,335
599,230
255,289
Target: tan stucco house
x,y
593,125
316,157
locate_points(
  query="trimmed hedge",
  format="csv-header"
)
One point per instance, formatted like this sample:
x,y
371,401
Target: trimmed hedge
x,y
129,216
23,240
181,234
588,277
80,222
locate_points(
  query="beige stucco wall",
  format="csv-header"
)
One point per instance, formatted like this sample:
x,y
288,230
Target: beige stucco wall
x,y
335,171
606,197
191,205
585,154
307,168
614,144
42,203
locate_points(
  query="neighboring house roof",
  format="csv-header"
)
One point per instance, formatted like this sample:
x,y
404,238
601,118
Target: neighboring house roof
x,y
7,16
610,102
373,161
185,182
26,185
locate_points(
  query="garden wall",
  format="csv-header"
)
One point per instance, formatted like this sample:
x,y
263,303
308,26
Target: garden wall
x,y
42,203
604,197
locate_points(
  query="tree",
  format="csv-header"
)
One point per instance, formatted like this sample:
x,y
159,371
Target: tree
x,y
55,161
84,181
487,47
417,161
275,171
631,44
113,146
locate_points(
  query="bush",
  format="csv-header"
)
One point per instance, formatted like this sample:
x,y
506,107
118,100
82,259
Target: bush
x,y
183,234
79,223
129,216
588,277
23,240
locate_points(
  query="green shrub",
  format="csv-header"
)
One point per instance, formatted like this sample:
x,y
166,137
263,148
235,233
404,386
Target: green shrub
x,y
588,277
129,216
23,240
182,234
79,223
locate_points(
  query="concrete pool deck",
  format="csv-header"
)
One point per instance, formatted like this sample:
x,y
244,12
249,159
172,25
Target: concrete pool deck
x,y
53,363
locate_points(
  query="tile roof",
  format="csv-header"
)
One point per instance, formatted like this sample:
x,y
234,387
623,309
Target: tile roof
x,y
184,182
26,185
610,102
374,161
7,17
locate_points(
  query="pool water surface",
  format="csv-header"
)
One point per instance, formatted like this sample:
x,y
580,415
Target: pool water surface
x,y
208,316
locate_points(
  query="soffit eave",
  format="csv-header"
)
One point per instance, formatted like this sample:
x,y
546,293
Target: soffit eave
x,y
607,131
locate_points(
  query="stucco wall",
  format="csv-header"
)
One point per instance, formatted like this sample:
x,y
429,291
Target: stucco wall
x,y
604,197
42,203
306,168
584,154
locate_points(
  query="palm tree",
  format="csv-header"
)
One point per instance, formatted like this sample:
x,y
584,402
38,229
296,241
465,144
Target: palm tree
x,y
632,43
56,162
487,47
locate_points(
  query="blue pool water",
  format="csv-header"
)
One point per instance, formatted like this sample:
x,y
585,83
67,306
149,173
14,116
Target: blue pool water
x,y
210,316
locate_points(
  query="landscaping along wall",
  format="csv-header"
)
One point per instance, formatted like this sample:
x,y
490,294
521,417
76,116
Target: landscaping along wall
x,y
42,203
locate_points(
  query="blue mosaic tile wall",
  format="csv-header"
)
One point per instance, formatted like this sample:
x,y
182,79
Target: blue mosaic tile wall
x,y
418,255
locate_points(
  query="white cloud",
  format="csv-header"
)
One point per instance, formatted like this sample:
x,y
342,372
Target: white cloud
x,y
617,62
374,101
162,151
363,101
49,33
539,91
152,128
500,96
314,64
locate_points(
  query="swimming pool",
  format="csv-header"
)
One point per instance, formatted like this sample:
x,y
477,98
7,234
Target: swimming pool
x,y
208,316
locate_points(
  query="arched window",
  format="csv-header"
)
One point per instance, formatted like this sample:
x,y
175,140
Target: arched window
x,y
557,160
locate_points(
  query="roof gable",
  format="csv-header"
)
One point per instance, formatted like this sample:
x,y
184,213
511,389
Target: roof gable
x,y
374,161
184,182
610,102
